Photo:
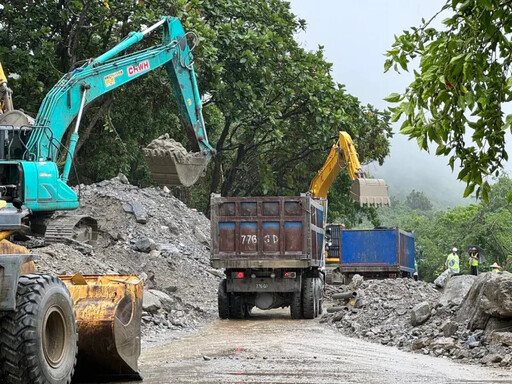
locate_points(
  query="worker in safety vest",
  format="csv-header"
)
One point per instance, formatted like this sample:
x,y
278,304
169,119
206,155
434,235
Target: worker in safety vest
x,y
495,268
473,260
452,262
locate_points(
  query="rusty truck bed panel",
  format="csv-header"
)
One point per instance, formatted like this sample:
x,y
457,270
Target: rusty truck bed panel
x,y
266,232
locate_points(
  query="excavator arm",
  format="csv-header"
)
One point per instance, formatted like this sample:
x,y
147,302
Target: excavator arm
x,y
343,154
67,99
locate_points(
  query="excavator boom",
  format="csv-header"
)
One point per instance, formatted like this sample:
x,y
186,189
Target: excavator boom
x,y
365,191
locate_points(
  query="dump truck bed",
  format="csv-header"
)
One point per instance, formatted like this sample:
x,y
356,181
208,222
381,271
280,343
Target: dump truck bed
x,y
376,250
267,232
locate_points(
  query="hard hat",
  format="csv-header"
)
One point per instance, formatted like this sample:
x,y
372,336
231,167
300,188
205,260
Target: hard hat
x,y
495,265
454,249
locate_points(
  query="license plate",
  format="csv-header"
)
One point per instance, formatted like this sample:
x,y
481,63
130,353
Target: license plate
x,y
261,285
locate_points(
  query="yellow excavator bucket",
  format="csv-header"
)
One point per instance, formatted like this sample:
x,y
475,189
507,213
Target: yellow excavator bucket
x,y
108,312
370,192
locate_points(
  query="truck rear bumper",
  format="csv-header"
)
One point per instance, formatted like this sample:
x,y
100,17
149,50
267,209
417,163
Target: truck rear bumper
x,y
255,263
263,284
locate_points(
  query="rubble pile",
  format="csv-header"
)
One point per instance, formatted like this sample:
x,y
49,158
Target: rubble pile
x,y
150,233
469,320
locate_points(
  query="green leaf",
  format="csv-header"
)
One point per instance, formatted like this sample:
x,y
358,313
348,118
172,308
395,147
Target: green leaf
x,y
469,189
509,198
393,98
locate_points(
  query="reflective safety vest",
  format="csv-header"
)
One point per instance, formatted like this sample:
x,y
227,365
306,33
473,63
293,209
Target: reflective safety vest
x,y
473,261
452,262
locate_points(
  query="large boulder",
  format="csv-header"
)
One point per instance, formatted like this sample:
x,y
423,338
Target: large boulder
x,y
456,289
150,302
489,296
420,313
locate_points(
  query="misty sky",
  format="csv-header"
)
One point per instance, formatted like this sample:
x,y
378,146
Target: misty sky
x,y
356,34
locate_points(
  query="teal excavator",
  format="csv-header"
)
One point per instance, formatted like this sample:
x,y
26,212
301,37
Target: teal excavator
x,y
41,316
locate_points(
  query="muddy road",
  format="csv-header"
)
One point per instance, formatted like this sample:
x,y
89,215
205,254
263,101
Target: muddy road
x,y
272,348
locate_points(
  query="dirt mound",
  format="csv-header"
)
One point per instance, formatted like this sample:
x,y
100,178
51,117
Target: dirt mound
x,y
150,233
410,315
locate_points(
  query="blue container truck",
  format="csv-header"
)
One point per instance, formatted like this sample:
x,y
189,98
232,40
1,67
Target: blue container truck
x,y
373,253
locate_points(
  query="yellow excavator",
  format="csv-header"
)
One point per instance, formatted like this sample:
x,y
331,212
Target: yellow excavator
x,y
365,191
50,325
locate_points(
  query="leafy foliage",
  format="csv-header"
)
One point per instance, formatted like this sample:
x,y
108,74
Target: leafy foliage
x,y
271,108
460,88
418,200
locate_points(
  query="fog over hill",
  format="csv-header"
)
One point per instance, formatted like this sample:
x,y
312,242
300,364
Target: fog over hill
x,y
355,36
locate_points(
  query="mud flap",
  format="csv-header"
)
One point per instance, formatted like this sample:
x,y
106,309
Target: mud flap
x,y
370,192
172,168
108,311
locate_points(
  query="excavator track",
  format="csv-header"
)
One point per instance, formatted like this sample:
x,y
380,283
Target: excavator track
x,y
64,228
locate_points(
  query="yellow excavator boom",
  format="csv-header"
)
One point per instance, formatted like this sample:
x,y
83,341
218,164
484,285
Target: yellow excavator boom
x,y
343,154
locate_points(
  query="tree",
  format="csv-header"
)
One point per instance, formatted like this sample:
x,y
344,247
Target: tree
x,y
272,109
418,200
460,87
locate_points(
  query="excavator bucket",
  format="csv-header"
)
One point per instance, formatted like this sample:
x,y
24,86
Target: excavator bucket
x,y
370,192
108,312
171,164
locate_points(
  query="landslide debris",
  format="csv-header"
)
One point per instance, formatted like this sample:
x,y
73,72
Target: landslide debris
x,y
150,233
469,320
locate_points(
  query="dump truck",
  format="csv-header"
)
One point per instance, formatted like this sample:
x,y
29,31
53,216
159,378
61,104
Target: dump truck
x,y
47,322
372,253
273,248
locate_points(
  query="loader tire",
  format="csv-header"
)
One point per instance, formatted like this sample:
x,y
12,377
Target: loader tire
x,y
309,298
237,307
38,341
296,306
223,301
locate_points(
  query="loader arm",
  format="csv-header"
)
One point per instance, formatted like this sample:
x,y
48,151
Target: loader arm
x,y
74,91
343,154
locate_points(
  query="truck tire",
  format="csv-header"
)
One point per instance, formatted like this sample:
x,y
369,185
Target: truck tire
x,y
237,307
296,306
309,298
223,301
320,294
38,341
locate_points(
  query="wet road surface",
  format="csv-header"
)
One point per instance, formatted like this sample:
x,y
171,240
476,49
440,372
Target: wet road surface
x,y
272,348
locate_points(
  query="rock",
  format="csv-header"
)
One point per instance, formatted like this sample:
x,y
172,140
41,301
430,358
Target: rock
x,y
217,273
495,324
206,358
450,328
166,302
500,338
489,296
473,341
145,245
166,190
492,358
150,302
356,282
507,360
121,177
201,237
442,279
456,289
140,213
445,343
420,313
420,343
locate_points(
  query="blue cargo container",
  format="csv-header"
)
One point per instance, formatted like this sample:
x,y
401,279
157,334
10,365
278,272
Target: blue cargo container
x,y
377,253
